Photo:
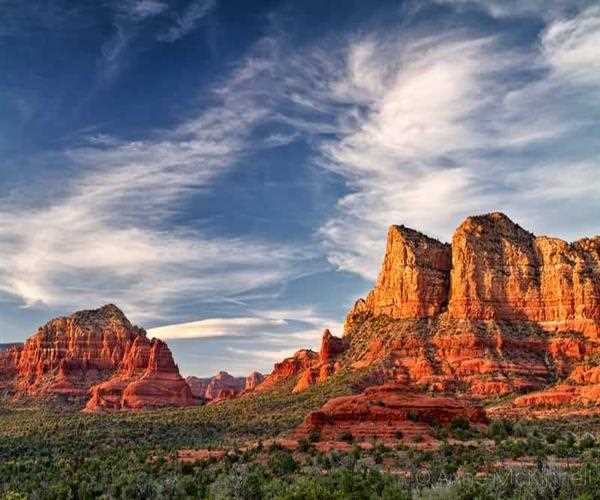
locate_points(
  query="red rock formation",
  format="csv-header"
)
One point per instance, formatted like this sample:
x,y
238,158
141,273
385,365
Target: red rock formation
x,y
414,279
198,385
148,378
384,411
69,354
223,386
9,360
307,366
501,271
500,311
331,347
289,368
97,351
253,380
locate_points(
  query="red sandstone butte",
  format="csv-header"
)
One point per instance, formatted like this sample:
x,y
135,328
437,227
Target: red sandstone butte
x,y
69,354
500,271
385,412
73,355
148,378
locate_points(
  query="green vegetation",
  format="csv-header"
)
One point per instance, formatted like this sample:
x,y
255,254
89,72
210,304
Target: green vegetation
x,y
52,453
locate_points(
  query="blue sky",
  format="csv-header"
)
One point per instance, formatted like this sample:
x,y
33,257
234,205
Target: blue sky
x,y
225,171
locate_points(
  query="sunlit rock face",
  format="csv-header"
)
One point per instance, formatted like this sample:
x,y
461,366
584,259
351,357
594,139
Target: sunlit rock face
x,y
500,271
414,278
68,355
386,411
498,311
72,356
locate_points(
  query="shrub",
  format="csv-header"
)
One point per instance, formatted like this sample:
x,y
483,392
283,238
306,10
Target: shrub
x,y
314,436
460,423
282,463
586,442
304,445
346,436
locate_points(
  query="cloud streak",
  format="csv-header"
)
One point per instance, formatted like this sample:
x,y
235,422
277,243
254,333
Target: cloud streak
x,y
106,234
186,22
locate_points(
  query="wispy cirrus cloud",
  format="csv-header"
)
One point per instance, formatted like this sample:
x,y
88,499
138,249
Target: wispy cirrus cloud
x,y
106,234
186,21
425,129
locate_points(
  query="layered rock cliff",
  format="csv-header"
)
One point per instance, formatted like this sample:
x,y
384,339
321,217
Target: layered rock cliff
x,y
70,356
499,311
147,378
500,271
414,280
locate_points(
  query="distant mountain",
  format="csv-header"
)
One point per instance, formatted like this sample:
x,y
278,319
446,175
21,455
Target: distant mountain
x,y
223,385
97,351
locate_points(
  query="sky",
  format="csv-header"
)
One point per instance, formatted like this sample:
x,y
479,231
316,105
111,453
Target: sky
x,y
225,171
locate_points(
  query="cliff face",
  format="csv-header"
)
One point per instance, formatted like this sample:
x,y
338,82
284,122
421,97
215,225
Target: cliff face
x,y
494,270
148,378
499,311
72,355
500,271
414,278
68,355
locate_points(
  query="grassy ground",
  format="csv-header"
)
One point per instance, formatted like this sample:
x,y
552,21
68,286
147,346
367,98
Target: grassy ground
x,y
48,452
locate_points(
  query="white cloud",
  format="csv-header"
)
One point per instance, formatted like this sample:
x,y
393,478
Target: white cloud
x,y
105,234
571,45
215,327
186,22
441,130
142,9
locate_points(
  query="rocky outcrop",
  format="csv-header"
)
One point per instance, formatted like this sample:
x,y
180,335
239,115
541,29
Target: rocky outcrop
x,y
499,311
148,378
221,386
307,367
500,271
387,412
76,355
68,355
253,381
289,368
414,278
9,361
198,385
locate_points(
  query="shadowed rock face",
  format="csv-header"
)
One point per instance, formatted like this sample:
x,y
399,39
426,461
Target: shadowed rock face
x,y
148,378
221,386
71,356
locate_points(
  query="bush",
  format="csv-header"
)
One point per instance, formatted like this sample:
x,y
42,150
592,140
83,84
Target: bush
x,y
346,436
314,436
460,423
586,442
304,445
282,463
